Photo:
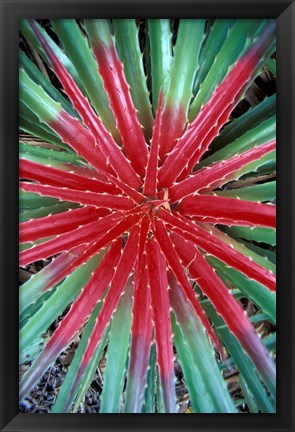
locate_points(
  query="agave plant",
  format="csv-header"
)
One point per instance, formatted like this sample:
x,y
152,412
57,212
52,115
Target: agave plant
x,y
153,208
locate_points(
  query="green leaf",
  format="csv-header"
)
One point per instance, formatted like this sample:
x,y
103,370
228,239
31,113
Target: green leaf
x,y
244,249
250,399
127,43
239,38
200,399
260,235
250,119
185,63
81,56
269,255
269,167
33,41
212,385
30,201
65,293
90,371
212,45
116,359
29,245
62,396
264,165
45,211
28,312
261,296
270,341
29,122
159,393
261,134
35,97
242,361
41,159
32,351
271,65
49,154
150,392
39,78
259,192
160,56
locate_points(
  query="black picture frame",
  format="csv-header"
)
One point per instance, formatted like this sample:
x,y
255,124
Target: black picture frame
x,y
11,11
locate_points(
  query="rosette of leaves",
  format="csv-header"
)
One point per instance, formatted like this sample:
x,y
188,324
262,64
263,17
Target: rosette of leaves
x,y
153,207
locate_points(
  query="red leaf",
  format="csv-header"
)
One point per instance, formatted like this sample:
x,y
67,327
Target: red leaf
x,y
172,258
221,250
173,122
161,315
141,339
117,286
83,253
150,183
92,248
87,299
82,197
58,223
122,105
229,211
64,242
130,191
141,332
194,159
48,175
214,176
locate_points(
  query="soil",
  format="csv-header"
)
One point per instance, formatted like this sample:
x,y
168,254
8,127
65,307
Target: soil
x,y
43,396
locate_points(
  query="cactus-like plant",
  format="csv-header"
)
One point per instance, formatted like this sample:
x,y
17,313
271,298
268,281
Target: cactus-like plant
x,y
155,208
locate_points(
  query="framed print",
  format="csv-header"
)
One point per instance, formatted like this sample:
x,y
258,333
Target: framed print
x,y
146,139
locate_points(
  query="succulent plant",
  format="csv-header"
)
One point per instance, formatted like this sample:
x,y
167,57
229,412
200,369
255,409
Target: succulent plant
x,y
153,207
